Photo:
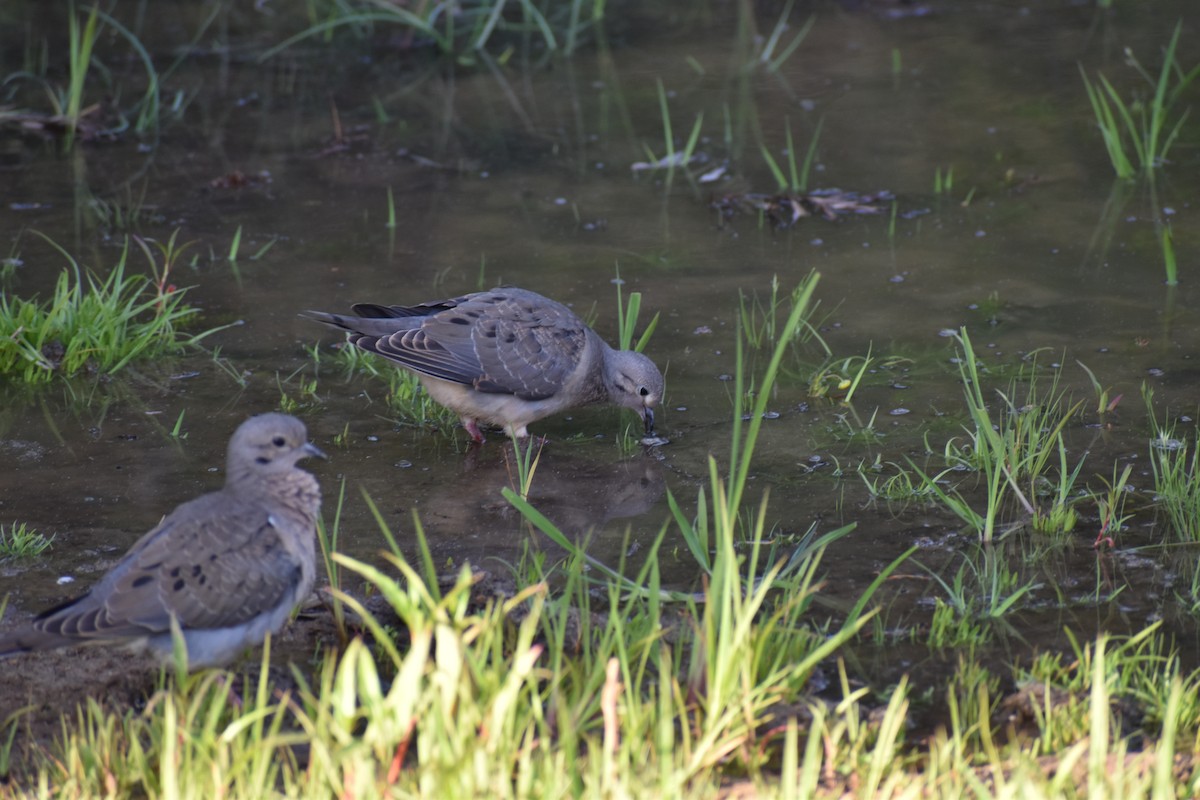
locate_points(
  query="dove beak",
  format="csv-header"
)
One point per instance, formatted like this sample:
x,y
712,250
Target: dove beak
x,y
312,450
648,418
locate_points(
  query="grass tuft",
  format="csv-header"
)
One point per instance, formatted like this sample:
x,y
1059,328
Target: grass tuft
x,y
1139,133
21,541
93,324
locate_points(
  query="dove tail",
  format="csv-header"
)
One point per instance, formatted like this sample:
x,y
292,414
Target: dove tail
x,y
26,641
332,320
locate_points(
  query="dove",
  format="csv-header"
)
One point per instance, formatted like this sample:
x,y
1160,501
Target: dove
x,y
506,357
228,567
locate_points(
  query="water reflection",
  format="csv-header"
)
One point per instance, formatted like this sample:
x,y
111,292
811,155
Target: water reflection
x,y
581,495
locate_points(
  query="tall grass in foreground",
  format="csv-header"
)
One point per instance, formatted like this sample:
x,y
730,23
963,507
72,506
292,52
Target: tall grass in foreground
x,y
561,701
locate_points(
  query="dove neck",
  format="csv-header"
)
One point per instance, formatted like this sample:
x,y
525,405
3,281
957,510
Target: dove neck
x,y
294,488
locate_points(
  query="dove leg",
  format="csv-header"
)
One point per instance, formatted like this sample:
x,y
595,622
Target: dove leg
x,y
473,428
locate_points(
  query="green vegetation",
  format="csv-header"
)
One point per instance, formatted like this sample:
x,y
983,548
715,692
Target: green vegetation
x,y
796,179
21,541
611,683
527,454
1013,453
943,182
1139,133
467,32
755,674
97,325
69,112
1174,461
627,319
403,393
770,54
1166,241
672,157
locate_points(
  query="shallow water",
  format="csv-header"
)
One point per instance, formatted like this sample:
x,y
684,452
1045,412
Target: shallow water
x,y
520,172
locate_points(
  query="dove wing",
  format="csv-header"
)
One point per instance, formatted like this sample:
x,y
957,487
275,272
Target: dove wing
x,y
208,564
497,342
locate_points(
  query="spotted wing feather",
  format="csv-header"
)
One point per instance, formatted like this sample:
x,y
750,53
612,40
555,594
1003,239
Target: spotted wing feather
x,y
183,568
496,342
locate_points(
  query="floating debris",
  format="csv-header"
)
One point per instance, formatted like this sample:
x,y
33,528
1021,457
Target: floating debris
x,y
240,180
785,210
666,162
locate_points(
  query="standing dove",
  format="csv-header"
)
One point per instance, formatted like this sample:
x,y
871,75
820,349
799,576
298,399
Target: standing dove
x,y
229,567
506,357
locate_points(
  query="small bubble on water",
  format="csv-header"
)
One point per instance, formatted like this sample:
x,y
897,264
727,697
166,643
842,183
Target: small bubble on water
x,y
403,463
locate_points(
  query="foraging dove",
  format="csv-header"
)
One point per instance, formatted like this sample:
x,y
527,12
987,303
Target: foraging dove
x,y
229,566
507,357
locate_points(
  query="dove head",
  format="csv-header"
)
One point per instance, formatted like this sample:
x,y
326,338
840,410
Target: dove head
x,y
267,444
635,382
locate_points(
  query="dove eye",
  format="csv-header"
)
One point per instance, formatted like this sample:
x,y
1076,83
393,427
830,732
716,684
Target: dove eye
x,y
643,391
279,441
